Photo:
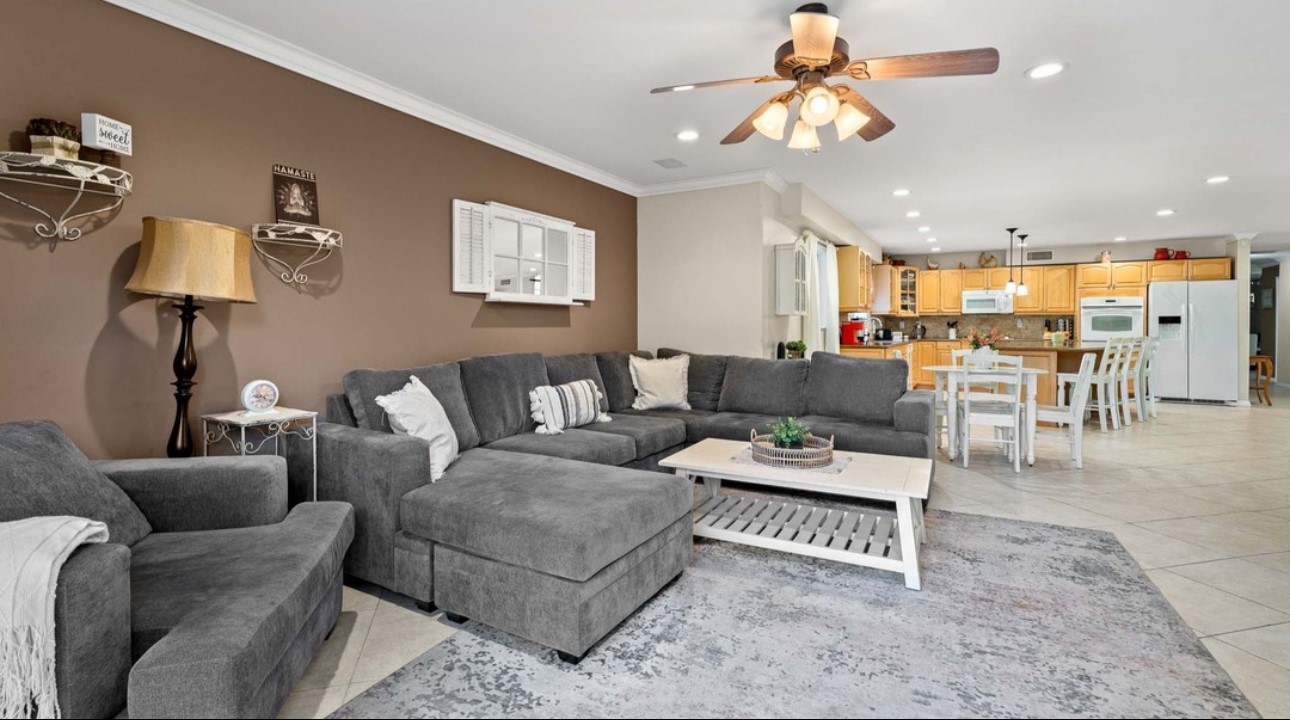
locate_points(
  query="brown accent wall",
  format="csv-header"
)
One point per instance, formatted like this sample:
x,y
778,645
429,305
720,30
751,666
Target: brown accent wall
x,y
209,123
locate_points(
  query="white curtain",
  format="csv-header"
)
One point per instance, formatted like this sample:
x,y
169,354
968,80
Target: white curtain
x,y
820,326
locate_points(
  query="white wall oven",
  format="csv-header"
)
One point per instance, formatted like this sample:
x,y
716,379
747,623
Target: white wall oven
x,y
1103,318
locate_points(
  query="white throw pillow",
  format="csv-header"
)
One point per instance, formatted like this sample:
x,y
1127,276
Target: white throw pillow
x,y
415,411
569,405
661,384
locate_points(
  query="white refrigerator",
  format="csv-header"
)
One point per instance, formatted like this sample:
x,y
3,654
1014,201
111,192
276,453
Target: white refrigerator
x,y
1199,341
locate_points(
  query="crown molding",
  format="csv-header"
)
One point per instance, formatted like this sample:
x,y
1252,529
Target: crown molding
x,y
767,176
224,31
212,26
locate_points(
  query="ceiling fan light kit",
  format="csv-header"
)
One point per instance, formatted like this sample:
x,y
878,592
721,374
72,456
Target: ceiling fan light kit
x,y
816,53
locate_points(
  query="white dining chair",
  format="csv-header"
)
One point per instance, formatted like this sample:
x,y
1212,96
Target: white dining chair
x,y
1130,365
1149,377
1103,383
1072,415
992,398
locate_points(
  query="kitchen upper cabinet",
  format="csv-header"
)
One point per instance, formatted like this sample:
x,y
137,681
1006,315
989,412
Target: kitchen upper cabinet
x,y
895,290
1129,274
1032,303
1210,269
1093,275
998,277
975,278
929,292
1167,270
1059,289
951,292
855,280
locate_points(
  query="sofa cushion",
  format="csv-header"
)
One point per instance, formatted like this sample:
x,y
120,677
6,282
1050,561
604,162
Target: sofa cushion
x,y
693,419
706,375
498,388
769,387
651,434
573,444
232,601
861,389
43,473
854,436
735,426
616,373
563,369
560,517
362,387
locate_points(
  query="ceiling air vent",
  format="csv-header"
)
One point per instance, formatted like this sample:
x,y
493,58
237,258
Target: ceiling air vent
x,y
1039,255
669,163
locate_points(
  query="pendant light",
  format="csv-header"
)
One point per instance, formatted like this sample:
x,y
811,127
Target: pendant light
x,y
1011,287
1022,290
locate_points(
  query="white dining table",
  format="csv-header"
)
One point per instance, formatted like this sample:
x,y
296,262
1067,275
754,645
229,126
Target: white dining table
x,y
947,386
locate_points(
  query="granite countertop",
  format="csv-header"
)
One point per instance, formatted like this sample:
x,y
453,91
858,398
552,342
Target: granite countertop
x,y
883,343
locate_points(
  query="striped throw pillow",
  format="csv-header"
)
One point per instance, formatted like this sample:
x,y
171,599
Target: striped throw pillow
x,y
571,405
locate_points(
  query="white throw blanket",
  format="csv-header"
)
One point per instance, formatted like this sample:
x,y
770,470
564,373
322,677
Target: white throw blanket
x,y
32,552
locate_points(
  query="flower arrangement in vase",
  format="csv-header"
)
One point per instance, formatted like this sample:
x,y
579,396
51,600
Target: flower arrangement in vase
x,y
984,340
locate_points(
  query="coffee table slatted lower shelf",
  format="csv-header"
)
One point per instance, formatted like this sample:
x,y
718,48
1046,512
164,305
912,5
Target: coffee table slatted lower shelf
x,y
857,538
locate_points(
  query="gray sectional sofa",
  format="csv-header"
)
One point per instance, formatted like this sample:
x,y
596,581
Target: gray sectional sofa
x,y
209,598
559,538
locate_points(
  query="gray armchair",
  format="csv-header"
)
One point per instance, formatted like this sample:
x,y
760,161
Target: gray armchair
x,y
210,598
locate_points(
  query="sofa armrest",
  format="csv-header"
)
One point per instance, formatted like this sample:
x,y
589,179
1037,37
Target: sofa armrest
x,y
209,493
915,411
92,631
371,470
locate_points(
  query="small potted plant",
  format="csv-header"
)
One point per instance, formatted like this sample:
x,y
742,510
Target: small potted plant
x,y
790,433
54,137
795,349
984,341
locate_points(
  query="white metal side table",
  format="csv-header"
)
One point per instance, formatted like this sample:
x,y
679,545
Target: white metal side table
x,y
265,426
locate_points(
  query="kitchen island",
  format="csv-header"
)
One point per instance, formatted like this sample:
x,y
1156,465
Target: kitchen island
x,y
1053,358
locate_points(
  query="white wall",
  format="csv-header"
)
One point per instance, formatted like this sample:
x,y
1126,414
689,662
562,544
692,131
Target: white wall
x,y
1283,321
1139,250
1238,249
701,282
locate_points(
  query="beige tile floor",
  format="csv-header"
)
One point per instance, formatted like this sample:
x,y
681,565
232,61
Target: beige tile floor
x,y
1200,497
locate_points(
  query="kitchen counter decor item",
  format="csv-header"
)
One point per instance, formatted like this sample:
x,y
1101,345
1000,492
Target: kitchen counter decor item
x,y
814,452
986,340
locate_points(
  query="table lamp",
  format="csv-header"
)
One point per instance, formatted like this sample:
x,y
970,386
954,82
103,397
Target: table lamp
x,y
191,259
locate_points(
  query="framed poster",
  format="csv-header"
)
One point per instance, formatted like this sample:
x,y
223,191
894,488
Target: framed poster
x,y
295,196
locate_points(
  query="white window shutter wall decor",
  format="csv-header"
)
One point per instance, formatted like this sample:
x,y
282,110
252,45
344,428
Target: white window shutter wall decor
x,y
471,247
584,264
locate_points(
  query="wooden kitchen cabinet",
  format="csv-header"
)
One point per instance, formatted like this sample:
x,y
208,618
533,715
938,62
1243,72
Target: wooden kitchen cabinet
x,y
1219,268
1111,275
924,357
1032,303
1059,289
929,292
975,278
998,278
951,292
1167,270
855,280
1093,276
1129,274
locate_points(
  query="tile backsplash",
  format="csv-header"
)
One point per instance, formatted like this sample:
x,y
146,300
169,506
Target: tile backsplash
x,y
1031,326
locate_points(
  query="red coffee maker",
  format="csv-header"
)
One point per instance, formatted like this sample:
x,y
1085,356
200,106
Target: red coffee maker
x,y
853,333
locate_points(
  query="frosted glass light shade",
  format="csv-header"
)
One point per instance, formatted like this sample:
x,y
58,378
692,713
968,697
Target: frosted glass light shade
x,y
820,106
1010,288
772,120
804,137
1022,290
849,121
813,35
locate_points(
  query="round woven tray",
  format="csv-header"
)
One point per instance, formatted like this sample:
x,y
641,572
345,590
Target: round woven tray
x,y
818,452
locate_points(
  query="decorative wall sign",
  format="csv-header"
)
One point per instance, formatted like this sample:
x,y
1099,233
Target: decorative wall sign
x,y
103,133
295,195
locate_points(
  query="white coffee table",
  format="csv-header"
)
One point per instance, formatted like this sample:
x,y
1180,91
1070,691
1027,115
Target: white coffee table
x,y
853,537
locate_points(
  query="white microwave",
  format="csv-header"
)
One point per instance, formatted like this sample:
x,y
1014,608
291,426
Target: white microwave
x,y
986,302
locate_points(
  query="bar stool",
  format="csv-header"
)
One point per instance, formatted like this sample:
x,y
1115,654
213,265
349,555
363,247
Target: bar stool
x,y
1263,372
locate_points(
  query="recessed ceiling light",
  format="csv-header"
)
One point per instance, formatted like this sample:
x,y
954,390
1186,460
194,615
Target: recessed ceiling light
x,y
682,88
912,214
936,249
688,135
1121,238
1047,70
1218,180
1164,212
900,192
931,239
925,228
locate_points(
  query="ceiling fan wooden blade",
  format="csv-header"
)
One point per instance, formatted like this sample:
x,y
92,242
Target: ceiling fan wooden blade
x,y
878,124
719,83
981,61
745,129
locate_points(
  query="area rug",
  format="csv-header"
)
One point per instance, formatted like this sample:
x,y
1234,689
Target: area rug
x,y
1016,619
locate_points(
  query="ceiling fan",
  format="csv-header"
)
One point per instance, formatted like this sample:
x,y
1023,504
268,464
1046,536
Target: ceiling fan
x,y
816,53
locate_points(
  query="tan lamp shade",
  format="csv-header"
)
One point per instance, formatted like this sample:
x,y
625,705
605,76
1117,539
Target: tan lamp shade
x,y
180,257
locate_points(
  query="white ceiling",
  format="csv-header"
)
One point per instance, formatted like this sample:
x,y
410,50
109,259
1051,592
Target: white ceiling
x,y
1159,95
